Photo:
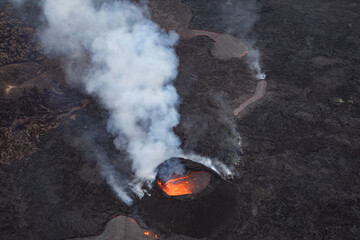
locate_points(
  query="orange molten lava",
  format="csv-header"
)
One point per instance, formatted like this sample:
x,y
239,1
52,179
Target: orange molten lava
x,y
149,234
195,182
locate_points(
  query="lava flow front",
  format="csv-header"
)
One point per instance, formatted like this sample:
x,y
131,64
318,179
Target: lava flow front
x,y
193,183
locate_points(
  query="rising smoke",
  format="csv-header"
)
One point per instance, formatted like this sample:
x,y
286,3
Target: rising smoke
x,y
239,17
130,65
133,64
131,71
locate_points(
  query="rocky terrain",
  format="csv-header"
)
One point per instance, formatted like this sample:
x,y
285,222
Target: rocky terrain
x,y
299,173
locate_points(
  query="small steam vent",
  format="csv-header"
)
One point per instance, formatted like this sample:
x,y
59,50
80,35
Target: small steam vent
x,y
189,198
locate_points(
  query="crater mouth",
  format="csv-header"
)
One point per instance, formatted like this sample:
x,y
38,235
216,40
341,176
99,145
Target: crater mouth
x,y
193,183
189,198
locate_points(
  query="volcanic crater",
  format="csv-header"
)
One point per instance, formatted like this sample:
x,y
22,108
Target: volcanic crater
x,y
195,204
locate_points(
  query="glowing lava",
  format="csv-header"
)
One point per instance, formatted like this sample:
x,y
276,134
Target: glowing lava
x,y
193,183
149,234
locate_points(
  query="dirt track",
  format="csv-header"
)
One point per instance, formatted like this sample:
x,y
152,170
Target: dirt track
x,y
259,93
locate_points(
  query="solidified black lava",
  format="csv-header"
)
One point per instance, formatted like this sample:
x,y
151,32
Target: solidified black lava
x,y
195,215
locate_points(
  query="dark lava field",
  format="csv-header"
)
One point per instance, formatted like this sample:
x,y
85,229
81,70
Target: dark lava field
x,y
299,169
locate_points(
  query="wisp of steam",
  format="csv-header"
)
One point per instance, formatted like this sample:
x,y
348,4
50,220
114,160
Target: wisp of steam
x,y
253,58
240,17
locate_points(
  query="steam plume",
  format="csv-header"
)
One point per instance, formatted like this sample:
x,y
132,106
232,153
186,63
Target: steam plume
x,y
131,67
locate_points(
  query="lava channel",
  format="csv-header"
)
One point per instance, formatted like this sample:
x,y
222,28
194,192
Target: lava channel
x,y
193,183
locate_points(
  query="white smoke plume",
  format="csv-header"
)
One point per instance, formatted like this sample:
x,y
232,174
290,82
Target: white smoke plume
x,y
133,65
